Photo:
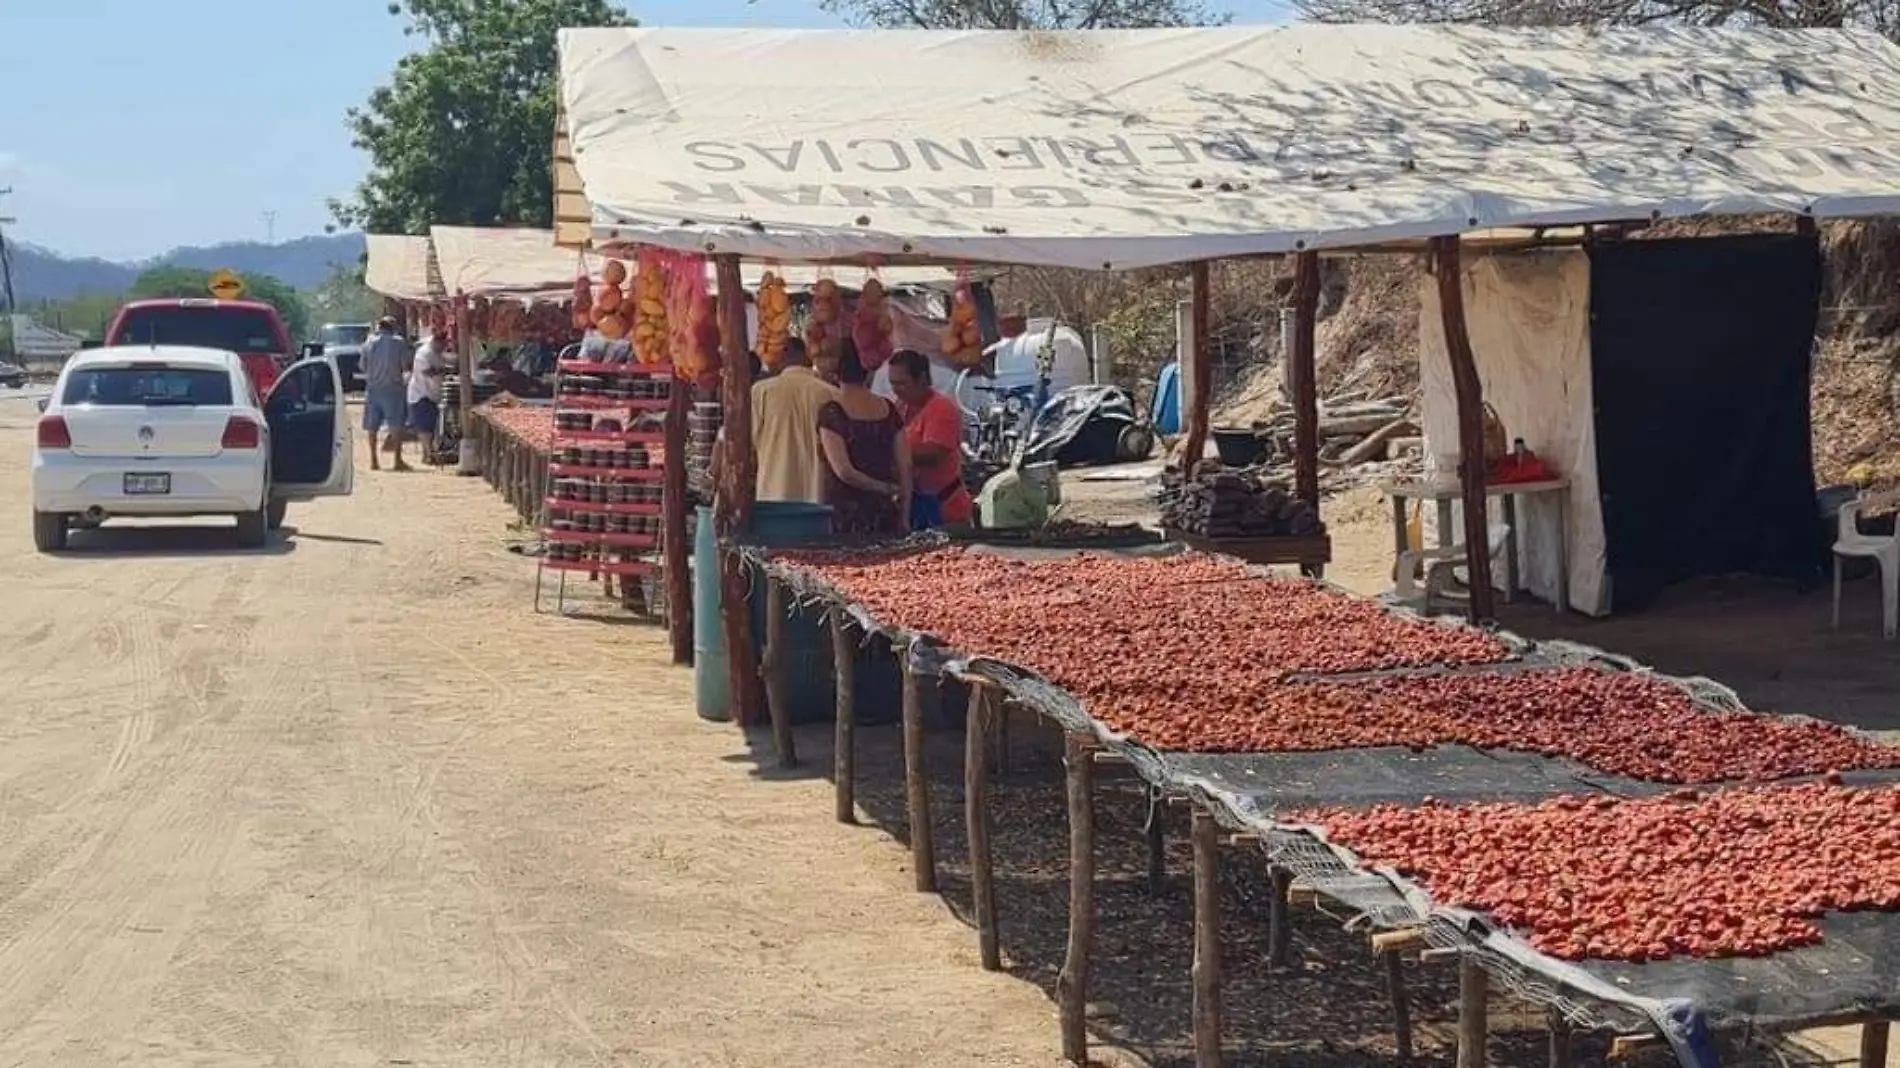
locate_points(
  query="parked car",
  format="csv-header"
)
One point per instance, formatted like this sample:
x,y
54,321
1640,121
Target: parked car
x,y
250,328
12,375
173,430
343,343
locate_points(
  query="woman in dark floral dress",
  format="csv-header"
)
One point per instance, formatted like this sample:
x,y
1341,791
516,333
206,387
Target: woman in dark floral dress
x,y
867,462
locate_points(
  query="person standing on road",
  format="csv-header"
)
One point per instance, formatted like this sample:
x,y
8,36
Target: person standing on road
x,y
425,394
785,411
385,360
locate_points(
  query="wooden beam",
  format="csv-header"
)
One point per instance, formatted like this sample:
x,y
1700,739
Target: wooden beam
x,y
678,551
1199,297
1560,1047
1155,831
1280,920
1401,1002
1398,941
844,755
1474,991
976,818
1873,1044
1470,396
775,669
1206,968
923,849
1303,378
735,488
464,366
1072,983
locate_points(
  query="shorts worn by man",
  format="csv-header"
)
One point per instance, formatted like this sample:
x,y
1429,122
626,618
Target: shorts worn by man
x,y
386,359
785,430
425,394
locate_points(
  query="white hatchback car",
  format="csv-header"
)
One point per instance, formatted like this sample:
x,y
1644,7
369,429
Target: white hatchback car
x,y
169,430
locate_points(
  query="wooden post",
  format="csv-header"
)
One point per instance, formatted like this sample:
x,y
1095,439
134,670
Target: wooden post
x,y
1470,394
1199,402
1873,1044
678,549
923,850
976,817
844,752
1156,833
1280,920
464,364
1072,983
1560,1052
1401,1002
735,480
1474,988
1206,967
1303,378
775,670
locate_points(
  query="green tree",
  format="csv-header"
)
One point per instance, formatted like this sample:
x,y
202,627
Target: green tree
x,y
343,298
1024,14
463,133
193,282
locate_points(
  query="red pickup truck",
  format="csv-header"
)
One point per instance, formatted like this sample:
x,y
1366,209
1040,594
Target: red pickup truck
x,y
250,328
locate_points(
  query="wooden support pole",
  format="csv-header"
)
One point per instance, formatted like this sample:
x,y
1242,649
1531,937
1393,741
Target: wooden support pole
x,y
1302,377
1280,920
678,546
1560,1049
735,490
923,850
1206,968
1072,983
775,669
976,817
844,751
1200,374
464,365
1474,990
1873,1044
1470,396
1401,1002
1156,832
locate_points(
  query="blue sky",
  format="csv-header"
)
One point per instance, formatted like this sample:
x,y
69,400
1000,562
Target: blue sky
x,y
136,126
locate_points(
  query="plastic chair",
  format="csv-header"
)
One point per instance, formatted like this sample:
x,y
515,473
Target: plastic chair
x,y
1883,548
1441,565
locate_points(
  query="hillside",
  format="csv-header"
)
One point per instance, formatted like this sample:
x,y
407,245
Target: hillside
x,y
42,274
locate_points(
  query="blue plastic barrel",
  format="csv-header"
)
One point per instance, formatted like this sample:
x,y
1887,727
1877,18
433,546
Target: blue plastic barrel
x,y
809,690
1164,407
712,683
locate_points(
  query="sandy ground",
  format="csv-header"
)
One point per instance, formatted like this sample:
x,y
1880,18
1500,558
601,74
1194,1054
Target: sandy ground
x,y
348,801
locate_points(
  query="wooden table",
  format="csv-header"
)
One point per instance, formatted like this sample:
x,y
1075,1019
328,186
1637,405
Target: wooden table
x,y
1443,491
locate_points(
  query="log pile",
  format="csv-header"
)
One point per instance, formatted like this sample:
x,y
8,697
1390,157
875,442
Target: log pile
x,y
1352,430
1234,503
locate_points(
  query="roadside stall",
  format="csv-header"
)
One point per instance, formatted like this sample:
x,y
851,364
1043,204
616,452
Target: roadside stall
x,y
1122,150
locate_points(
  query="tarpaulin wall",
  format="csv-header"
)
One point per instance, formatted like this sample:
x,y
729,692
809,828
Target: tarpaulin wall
x,y
1529,318
1700,357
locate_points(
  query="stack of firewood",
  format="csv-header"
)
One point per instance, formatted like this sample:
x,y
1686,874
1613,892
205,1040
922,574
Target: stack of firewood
x,y
1234,503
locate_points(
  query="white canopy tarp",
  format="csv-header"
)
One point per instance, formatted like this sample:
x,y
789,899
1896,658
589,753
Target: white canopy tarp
x,y
510,262
398,267
1121,149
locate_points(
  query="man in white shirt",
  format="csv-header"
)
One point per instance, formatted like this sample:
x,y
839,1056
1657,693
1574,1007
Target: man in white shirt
x,y
785,430
425,393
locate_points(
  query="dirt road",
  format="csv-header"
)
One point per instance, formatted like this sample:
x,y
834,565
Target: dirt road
x,y
349,802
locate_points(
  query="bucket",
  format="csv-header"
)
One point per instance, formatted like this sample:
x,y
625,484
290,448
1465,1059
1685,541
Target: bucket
x,y
1238,446
712,683
809,691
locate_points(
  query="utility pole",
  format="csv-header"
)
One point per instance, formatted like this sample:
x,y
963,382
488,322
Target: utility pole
x,y
270,228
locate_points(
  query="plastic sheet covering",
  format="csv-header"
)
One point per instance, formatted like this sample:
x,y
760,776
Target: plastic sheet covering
x,y
1856,967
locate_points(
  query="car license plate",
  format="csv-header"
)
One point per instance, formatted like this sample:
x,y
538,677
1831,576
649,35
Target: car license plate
x,y
147,485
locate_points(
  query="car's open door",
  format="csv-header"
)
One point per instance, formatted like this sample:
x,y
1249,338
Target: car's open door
x,y
311,448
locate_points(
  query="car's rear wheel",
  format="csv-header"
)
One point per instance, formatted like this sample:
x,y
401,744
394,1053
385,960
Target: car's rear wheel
x,y
49,531
274,514
253,529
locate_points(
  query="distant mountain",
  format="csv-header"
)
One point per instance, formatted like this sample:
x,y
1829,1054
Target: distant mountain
x,y
42,274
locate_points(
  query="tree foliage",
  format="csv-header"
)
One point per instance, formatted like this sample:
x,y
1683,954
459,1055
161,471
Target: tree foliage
x,y
463,132
1879,15
194,282
1023,14
343,298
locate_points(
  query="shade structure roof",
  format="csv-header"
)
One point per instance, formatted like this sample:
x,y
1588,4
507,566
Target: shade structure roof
x,y
506,262
398,267
1122,149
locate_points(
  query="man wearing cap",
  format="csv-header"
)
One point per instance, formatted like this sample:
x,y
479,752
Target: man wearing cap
x,y
386,359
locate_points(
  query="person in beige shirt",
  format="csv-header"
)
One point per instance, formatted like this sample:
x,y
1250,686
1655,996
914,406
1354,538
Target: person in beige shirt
x,y
785,430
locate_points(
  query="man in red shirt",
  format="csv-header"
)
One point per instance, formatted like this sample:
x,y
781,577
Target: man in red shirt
x,y
933,424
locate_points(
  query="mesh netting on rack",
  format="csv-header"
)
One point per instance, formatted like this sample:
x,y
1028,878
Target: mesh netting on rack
x,y
1853,969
